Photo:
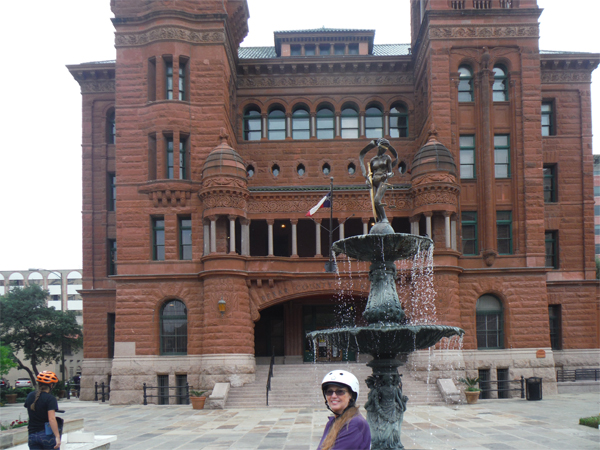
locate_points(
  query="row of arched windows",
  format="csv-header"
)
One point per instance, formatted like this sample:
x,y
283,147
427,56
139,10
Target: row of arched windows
x,y
349,125
465,84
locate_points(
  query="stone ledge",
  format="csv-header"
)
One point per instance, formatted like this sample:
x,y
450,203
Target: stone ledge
x,y
12,438
578,387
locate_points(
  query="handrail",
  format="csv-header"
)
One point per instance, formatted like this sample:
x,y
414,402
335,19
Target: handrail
x,y
185,396
520,389
270,375
105,394
577,375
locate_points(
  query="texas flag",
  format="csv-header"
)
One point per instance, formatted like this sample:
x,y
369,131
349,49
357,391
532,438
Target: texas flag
x,y
325,202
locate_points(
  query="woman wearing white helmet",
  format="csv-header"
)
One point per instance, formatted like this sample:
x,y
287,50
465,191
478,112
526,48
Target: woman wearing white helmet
x,y
347,429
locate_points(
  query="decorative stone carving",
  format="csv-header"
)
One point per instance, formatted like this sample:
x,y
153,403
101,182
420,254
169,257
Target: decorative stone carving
x,y
224,182
435,197
352,80
165,193
224,200
566,76
94,86
469,32
168,33
434,178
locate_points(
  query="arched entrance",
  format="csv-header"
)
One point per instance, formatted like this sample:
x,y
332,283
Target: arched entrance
x,y
282,328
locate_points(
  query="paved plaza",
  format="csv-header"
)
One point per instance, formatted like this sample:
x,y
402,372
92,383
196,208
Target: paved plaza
x,y
490,424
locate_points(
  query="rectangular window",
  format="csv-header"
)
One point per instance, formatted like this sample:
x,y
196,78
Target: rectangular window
x,y
110,334
467,157
183,158
182,393
158,239
295,50
169,79
183,79
554,314
170,157
547,119
353,49
163,389
324,49
112,192
484,382
596,191
469,233
309,50
152,157
502,156
112,256
504,232
551,241
151,79
550,184
503,385
185,238
339,49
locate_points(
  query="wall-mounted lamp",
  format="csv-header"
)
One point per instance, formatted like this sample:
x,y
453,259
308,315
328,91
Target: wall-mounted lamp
x,y
222,304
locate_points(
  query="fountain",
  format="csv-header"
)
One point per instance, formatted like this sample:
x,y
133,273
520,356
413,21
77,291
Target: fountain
x,y
389,337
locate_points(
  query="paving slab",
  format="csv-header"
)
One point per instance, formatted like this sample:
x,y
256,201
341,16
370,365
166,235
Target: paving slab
x,y
551,423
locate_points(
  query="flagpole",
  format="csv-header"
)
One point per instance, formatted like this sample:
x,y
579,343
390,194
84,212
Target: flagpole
x,y
331,219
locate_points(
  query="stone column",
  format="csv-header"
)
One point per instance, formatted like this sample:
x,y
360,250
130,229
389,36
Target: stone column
x,y
313,124
245,236
213,234
361,124
428,223
386,123
231,234
342,232
453,232
206,226
294,237
270,223
414,225
318,235
447,228
365,222
288,125
338,116
264,126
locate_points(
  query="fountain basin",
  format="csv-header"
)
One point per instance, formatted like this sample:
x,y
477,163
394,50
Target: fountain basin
x,y
382,247
386,340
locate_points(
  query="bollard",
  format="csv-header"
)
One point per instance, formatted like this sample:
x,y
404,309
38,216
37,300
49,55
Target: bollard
x,y
96,391
145,398
68,390
103,392
187,394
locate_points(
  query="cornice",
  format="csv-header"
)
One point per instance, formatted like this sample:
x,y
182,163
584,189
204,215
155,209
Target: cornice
x,y
437,32
275,81
565,76
97,86
170,32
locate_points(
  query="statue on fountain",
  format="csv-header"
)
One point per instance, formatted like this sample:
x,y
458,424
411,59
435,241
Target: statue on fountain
x,y
380,169
386,406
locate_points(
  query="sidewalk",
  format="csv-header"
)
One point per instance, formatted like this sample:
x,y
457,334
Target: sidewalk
x,y
490,424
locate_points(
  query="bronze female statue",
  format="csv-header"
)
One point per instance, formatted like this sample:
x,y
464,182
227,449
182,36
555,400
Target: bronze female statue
x,y
380,169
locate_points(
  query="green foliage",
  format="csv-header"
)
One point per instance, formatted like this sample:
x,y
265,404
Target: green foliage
x,y
40,332
593,421
14,424
597,268
7,360
471,383
60,386
196,393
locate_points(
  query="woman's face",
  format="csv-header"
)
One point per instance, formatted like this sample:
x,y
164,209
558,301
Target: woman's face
x,y
338,397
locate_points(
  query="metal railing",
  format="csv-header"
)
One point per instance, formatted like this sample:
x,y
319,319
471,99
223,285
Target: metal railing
x,y
578,375
485,389
182,394
104,392
270,376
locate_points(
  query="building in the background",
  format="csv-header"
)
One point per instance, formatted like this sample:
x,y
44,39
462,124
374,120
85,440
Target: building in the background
x,y
63,288
597,203
201,159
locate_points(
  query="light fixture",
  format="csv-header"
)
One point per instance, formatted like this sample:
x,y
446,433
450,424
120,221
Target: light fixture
x,y
222,305
283,225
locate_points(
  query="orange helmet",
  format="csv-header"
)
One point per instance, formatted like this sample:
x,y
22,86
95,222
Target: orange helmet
x,y
47,377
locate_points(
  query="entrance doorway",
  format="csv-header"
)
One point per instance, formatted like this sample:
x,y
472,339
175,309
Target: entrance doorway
x,y
321,317
269,332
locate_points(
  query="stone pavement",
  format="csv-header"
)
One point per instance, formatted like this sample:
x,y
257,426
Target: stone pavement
x,y
488,425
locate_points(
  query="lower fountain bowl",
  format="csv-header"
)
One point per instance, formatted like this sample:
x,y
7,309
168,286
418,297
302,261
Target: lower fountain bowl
x,y
382,247
381,339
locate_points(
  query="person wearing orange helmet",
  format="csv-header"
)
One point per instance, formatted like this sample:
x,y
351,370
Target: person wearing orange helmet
x,y
41,407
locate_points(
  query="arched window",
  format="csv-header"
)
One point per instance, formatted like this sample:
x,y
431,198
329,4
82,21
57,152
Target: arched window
x,y
490,323
252,124
349,123
111,128
374,122
173,328
398,121
325,123
301,124
500,86
276,125
35,278
15,280
465,84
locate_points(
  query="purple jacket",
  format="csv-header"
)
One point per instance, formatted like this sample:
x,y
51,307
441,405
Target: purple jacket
x,y
355,435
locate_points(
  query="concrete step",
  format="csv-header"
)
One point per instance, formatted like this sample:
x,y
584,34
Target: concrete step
x,y
298,385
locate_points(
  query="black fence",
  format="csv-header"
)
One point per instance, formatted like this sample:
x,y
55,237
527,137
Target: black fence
x,y
101,391
163,394
502,387
578,375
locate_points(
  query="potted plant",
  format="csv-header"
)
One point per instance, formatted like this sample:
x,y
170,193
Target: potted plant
x,y
11,395
471,391
197,399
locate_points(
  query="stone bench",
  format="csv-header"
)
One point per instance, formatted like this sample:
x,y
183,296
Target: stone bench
x,y
73,438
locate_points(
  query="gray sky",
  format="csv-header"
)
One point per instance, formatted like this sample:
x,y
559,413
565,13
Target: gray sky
x,y
40,160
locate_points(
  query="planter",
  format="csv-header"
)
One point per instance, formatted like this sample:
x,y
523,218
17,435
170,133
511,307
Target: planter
x,y
62,393
11,398
198,402
472,396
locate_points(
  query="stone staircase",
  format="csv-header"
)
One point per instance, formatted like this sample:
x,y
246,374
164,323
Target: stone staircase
x,y
299,386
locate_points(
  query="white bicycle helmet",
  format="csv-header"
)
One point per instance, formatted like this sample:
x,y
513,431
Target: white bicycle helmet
x,y
341,377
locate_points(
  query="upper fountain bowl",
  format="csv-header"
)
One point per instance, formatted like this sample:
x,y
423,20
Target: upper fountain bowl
x,y
382,247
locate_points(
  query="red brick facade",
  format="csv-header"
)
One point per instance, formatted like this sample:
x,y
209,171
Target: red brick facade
x,y
183,154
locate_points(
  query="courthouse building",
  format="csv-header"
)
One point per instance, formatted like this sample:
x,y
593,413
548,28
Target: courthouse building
x,y
201,159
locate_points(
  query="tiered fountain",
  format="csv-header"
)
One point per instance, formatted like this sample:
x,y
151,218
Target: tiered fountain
x,y
389,337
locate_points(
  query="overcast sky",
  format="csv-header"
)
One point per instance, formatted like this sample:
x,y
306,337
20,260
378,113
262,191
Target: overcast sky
x,y
40,158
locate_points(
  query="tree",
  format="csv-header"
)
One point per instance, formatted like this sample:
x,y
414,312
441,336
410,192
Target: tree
x,y
40,332
7,360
